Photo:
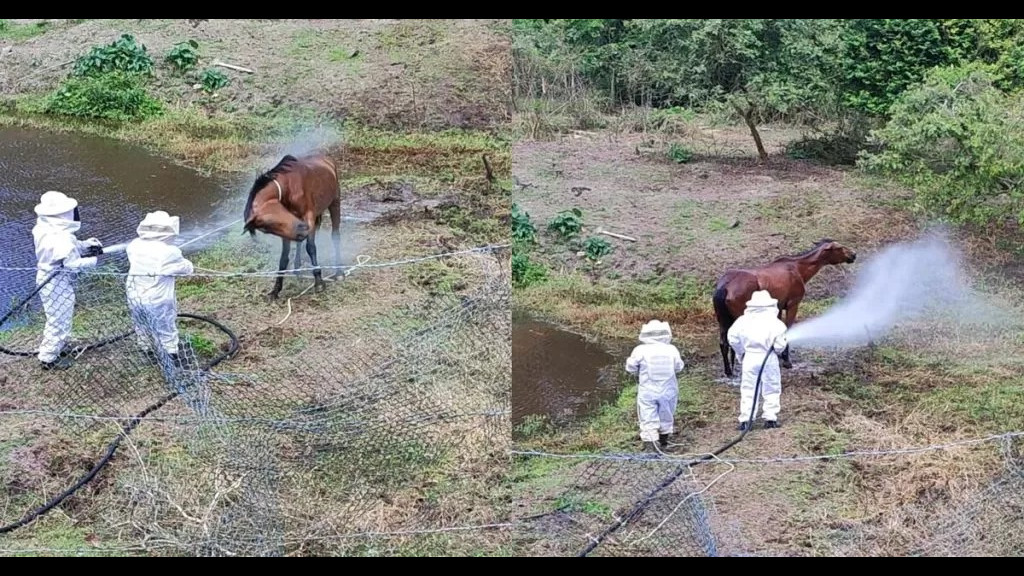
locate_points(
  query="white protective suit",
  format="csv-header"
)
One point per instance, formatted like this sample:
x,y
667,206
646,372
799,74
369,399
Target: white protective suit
x,y
751,336
150,284
57,245
656,361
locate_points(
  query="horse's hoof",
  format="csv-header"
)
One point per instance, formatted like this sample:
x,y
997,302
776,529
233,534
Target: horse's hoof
x,y
787,365
319,288
272,297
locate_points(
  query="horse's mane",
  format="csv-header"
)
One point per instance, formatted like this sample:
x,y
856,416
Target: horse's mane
x,y
283,167
805,253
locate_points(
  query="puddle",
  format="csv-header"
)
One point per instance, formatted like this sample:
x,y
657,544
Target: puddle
x,y
559,374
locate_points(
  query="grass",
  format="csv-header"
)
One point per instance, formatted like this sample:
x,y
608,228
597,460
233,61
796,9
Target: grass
x,y
15,32
615,309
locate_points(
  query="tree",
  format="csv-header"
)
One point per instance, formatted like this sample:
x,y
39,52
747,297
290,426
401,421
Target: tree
x,y
756,66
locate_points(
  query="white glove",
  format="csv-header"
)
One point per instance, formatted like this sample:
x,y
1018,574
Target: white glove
x,y
94,242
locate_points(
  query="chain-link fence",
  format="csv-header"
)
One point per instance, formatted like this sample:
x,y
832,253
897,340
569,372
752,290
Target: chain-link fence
x,y
372,419
628,504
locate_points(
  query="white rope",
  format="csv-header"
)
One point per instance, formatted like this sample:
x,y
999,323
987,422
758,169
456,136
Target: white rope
x,y
689,496
674,459
273,273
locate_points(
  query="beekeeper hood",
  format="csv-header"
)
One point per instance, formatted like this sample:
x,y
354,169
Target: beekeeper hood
x,y
59,210
656,332
158,225
761,302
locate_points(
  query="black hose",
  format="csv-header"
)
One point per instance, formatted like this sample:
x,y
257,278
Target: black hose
x,y
126,429
639,507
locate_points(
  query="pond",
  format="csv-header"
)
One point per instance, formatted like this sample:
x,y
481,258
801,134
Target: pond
x,y
558,374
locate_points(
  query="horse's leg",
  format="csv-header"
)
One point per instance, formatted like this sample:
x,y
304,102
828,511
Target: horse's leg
x,y
335,209
298,258
282,265
723,345
318,280
790,318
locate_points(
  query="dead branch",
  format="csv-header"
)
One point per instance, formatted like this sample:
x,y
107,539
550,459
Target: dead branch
x,y
487,168
233,67
614,235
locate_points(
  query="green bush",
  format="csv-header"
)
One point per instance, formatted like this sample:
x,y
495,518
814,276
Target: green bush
x,y
679,154
123,55
183,56
959,142
523,230
213,80
596,248
567,223
524,271
114,96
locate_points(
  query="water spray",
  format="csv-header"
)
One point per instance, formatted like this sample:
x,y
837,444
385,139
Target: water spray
x,y
900,283
118,248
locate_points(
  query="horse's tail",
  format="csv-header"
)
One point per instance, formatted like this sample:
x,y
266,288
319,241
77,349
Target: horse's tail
x,y
722,313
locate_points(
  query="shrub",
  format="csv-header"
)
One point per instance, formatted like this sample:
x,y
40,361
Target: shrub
x,y
524,271
114,96
122,55
596,248
184,56
959,142
567,223
212,80
523,230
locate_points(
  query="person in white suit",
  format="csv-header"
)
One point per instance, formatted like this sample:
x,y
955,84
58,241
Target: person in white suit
x,y
153,263
756,334
61,254
656,361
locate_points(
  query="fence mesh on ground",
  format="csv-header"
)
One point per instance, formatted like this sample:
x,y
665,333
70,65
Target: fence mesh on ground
x,y
373,419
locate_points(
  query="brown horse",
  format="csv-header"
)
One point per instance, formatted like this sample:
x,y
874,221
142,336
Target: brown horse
x,y
784,278
289,201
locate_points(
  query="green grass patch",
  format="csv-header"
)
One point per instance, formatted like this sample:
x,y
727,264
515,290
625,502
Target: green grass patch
x,y
15,32
992,407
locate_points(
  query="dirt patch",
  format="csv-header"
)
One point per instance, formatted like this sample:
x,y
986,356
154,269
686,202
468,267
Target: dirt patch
x,y
386,72
697,218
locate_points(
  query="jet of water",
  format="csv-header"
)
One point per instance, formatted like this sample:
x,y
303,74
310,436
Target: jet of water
x,y
901,283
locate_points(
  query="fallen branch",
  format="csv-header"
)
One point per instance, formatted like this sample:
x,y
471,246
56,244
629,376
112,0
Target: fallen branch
x,y
614,235
487,169
233,67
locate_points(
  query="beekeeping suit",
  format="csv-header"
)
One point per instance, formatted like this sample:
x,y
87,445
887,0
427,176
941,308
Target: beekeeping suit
x,y
59,250
752,337
153,261
656,361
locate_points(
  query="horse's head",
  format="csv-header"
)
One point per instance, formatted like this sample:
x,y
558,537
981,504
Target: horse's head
x,y
835,253
271,217
265,210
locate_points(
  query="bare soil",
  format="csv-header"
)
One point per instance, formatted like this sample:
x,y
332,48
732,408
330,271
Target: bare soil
x,y
384,72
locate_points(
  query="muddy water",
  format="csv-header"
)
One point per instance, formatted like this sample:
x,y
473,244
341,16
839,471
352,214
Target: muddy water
x,y
558,374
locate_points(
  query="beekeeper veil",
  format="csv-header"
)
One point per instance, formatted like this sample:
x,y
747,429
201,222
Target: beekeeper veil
x,y
656,332
158,225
